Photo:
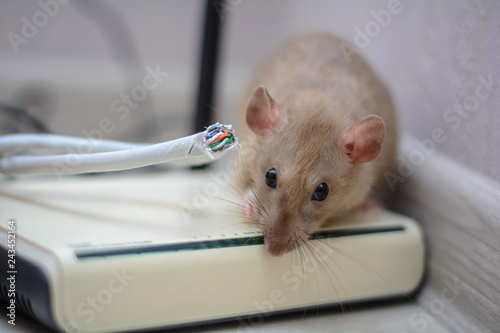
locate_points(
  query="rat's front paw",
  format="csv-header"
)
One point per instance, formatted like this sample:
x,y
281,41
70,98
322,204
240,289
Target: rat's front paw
x,y
370,204
249,209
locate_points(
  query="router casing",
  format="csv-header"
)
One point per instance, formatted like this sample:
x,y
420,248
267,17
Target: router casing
x,y
121,253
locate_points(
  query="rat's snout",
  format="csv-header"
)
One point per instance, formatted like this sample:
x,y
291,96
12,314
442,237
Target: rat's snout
x,y
281,236
276,249
278,246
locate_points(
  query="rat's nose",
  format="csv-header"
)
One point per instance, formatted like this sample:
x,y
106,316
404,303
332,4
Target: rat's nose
x,y
276,248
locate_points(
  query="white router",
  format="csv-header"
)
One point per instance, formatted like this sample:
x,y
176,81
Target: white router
x,y
135,252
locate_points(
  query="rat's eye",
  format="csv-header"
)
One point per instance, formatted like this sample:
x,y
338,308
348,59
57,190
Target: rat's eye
x,y
271,178
321,192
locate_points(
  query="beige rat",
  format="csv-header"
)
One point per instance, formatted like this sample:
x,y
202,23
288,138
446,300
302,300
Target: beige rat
x,y
319,133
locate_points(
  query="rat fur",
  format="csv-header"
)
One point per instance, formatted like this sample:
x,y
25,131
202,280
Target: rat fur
x,y
315,116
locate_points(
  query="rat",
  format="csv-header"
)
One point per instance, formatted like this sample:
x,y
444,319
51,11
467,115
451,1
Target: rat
x,y
317,133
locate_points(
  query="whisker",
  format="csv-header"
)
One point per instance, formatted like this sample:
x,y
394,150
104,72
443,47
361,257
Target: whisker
x,y
304,272
336,281
229,201
211,107
302,265
307,248
259,202
332,270
362,264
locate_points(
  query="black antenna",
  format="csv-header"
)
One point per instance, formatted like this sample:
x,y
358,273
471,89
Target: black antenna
x,y
208,63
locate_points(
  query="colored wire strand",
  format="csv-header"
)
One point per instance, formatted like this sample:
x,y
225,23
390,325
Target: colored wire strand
x,y
218,137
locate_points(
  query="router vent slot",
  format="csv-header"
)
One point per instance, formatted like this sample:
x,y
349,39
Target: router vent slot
x,y
4,292
225,243
23,303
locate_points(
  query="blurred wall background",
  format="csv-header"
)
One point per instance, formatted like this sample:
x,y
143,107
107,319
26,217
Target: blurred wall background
x,y
440,60
431,54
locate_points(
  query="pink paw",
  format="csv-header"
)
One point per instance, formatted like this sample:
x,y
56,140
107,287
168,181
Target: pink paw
x,y
370,204
248,209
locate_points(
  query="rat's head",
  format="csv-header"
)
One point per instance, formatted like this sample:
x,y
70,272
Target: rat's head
x,y
307,167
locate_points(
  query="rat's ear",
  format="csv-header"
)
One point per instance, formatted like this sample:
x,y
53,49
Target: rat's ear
x,y
263,114
363,141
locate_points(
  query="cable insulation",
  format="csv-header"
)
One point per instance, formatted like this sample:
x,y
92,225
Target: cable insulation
x,y
106,155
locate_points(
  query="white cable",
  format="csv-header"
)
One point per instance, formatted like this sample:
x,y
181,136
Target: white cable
x,y
61,144
105,155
